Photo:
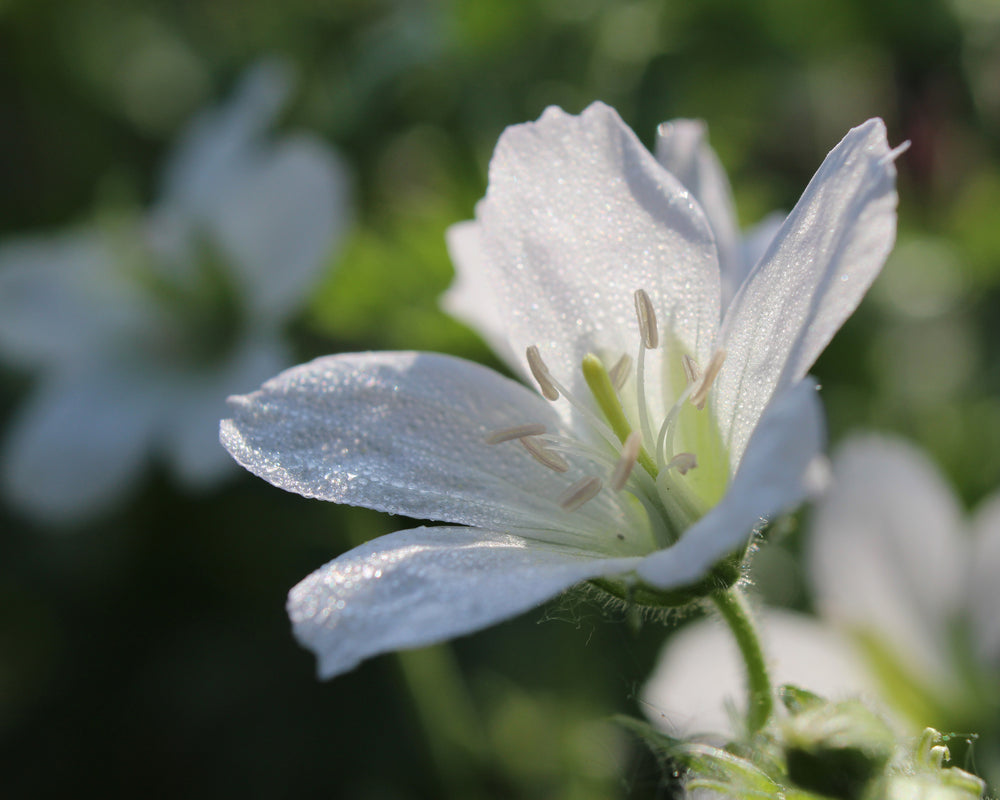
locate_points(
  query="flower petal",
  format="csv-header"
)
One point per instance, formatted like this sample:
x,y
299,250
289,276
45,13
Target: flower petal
x,y
813,276
405,433
470,297
773,478
217,143
578,216
278,220
79,444
422,586
61,301
886,555
682,148
984,587
700,676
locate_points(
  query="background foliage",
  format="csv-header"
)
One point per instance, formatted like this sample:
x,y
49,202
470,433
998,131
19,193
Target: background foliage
x,y
147,652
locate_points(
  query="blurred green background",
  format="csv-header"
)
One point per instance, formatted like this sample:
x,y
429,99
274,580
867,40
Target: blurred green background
x,y
147,652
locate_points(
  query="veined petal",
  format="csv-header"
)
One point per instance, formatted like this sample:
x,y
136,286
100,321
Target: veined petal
x,y
813,276
422,586
774,477
886,554
700,675
471,299
984,586
682,148
79,443
278,221
406,433
578,215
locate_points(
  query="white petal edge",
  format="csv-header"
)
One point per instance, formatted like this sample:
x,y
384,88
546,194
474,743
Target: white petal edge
x,y
886,552
774,478
700,676
813,276
405,433
578,215
682,148
418,587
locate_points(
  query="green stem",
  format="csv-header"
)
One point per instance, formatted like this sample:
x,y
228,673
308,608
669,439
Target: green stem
x,y
736,612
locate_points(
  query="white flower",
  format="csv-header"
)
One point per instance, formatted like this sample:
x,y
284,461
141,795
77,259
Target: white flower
x,y
896,567
670,430
140,327
697,686
907,598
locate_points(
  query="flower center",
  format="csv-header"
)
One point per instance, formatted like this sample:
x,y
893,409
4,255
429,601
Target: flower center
x,y
676,471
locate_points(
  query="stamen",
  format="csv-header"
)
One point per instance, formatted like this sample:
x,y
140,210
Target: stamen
x,y
544,455
580,492
517,432
682,462
541,373
691,371
619,372
647,319
700,395
625,465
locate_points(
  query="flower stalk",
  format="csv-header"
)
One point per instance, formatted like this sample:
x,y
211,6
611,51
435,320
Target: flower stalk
x,y
735,610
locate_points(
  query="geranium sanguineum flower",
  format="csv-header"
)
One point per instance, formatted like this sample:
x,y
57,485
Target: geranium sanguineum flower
x,y
139,325
667,428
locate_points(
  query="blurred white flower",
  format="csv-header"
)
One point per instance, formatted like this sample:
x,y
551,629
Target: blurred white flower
x,y
662,438
697,686
139,328
896,566
907,597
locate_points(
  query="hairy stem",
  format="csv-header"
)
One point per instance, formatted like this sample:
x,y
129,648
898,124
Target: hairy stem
x,y
736,612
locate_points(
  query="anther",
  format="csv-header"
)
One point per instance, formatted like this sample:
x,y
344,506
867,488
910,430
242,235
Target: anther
x,y
626,463
700,395
647,319
691,371
517,432
682,462
541,374
580,492
543,455
620,371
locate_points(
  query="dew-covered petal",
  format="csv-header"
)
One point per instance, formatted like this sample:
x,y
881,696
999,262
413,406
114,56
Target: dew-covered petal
x,y
887,548
755,242
682,148
278,223
78,444
406,433
578,216
813,276
774,477
470,297
189,433
983,600
421,586
700,677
